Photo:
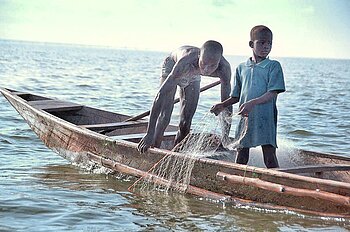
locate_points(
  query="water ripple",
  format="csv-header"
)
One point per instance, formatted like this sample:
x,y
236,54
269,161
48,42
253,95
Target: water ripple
x,y
301,132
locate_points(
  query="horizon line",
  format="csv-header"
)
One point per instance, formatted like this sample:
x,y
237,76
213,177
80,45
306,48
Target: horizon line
x,y
146,49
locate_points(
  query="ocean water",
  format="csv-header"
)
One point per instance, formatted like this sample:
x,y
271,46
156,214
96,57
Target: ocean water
x,y
40,191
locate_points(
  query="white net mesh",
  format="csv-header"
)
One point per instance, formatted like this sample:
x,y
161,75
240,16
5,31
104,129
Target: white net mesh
x,y
204,141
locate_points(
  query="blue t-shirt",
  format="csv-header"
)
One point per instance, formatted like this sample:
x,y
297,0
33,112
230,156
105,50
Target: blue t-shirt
x,y
252,81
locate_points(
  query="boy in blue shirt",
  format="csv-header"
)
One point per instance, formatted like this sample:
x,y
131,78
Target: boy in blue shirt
x,y
257,83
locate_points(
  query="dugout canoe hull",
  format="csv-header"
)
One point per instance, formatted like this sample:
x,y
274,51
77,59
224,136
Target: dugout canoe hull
x,y
80,133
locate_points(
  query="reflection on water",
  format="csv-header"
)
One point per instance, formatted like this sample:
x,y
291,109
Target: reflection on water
x,y
100,194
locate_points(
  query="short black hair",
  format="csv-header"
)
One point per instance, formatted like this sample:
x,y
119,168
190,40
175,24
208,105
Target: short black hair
x,y
213,47
259,29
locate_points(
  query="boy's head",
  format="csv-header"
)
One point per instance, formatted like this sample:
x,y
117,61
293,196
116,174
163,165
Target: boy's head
x,y
261,41
209,57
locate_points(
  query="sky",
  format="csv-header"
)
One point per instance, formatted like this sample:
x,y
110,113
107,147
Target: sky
x,y
301,28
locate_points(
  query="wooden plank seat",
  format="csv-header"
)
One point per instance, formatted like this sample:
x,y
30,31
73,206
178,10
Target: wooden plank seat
x,y
316,168
54,105
168,135
114,125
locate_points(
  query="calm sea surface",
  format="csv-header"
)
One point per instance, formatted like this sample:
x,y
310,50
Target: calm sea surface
x,y
40,191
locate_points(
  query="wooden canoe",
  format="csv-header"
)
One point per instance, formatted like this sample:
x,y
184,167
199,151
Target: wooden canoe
x,y
319,186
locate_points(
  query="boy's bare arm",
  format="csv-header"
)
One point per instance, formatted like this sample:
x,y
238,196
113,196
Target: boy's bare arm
x,y
224,73
265,97
216,109
230,101
225,77
164,97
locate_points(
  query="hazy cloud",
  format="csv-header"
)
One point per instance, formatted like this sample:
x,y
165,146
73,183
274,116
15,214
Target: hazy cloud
x,y
222,3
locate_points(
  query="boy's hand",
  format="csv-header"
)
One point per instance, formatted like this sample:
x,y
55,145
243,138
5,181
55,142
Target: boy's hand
x,y
216,109
144,144
245,108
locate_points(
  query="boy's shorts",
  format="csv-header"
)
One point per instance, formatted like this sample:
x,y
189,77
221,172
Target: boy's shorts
x,y
168,66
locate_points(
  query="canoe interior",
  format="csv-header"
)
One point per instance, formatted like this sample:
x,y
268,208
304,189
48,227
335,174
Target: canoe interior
x,y
100,121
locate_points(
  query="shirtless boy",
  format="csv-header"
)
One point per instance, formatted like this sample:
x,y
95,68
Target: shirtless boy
x,y
183,68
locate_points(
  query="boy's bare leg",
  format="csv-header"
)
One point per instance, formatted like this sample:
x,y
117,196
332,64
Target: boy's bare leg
x,y
189,100
242,155
270,157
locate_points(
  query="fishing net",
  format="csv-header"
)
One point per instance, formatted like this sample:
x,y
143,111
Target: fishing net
x,y
205,140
